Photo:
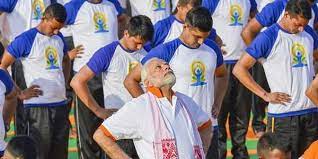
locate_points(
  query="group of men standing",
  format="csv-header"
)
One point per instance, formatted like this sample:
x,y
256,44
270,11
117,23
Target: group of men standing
x,y
159,85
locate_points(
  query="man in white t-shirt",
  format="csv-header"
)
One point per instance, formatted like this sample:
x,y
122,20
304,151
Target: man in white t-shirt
x,y
45,61
172,125
229,19
286,50
114,61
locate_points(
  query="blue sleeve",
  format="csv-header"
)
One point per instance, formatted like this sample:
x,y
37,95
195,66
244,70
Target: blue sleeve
x,y
21,46
162,29
72,9
212,35
118,7
217,50
6,80
65,49
263,43
7,5
210,5
315,9
314,35
163,51
101,59
270,13
253,6
148,46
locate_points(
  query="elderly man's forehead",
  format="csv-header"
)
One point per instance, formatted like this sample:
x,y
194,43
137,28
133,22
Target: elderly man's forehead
x,y
157,62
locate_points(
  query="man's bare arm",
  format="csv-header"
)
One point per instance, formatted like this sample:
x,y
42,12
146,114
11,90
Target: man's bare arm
x,y
79,85
241,71
250,31
206,136
132,81
220,87
109,146
10,105
312,91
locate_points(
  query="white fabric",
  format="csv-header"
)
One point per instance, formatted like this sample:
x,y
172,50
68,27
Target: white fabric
x,y
2,128
155,9
164,134
227,29
283,77
84,30
262,3
38,70
115,94
22,18
182,62
135,121
174,32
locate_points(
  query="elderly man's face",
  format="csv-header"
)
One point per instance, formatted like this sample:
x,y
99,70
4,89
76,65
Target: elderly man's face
x,y
160,74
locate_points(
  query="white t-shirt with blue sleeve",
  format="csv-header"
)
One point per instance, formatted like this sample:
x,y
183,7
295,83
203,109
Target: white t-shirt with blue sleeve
x,y
273,12
6,87
169,29
194,69
115,62
229,19
93,26
155,9
20,16
42,58
288,63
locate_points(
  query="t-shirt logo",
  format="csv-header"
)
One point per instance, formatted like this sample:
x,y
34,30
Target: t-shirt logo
x,y
37,9
51,58
132,65
236,14
299,55
198,73
100,22
159,5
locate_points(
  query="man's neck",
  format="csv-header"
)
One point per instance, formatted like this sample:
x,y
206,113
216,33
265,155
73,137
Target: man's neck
x,y
41,29
283,24
167,92
123,43
183,38
179,17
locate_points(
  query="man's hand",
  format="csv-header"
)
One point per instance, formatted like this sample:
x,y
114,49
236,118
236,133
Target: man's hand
x,y
76,52
277,98
104,113
216,110
33,91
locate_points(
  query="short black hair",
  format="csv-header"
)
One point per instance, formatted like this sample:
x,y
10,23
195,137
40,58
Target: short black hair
x,y
299,7
199,17
23,147
1,50
56,11
141,26
271,141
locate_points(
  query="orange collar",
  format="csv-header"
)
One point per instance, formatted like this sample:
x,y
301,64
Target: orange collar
x,y
156,91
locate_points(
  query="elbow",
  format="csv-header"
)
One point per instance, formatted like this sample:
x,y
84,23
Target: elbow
x,y
235,70
127,82
74,83
97,135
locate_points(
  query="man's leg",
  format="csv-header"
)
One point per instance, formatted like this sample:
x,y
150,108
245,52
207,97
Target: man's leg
x,y
309,126
213,152
227,105
239,119
60,132
288,130
258,104
39,128
87,122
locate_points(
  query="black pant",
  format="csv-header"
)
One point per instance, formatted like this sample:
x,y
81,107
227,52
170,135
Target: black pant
x,y
18,77
87,122
258,104
49,127
299,131
236,107
213,152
